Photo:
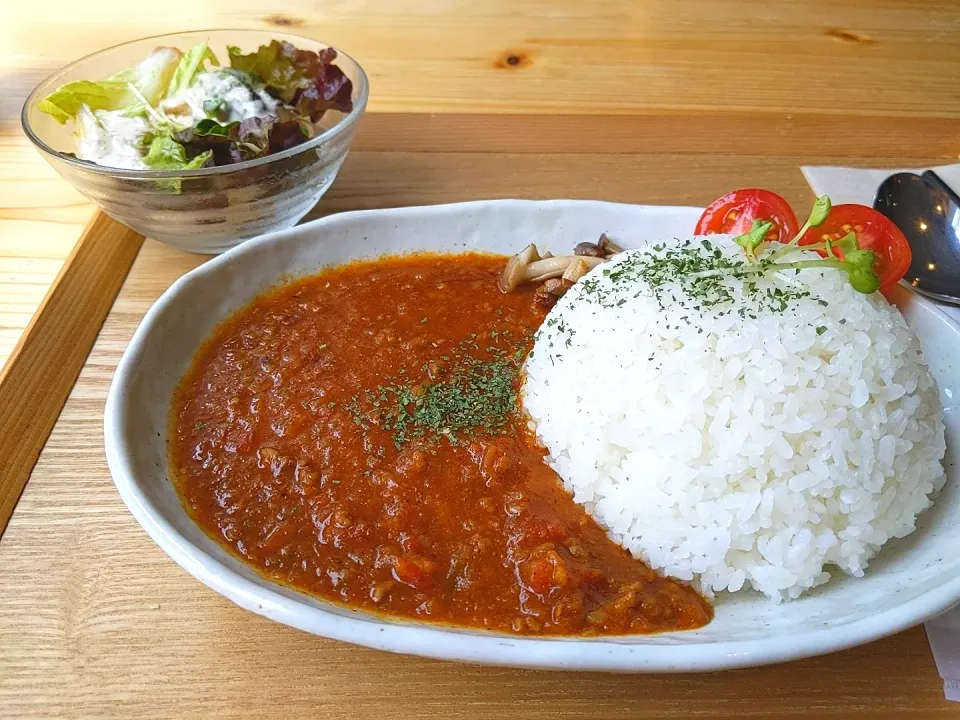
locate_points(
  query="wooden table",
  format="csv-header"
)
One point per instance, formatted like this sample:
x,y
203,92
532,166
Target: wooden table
x,y
634,101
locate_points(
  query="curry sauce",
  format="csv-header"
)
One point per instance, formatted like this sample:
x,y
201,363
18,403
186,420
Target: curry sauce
x,y
357,436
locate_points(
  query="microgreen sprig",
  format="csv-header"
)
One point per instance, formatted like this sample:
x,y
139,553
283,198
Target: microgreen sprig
x,y
753,238
818,213
856,262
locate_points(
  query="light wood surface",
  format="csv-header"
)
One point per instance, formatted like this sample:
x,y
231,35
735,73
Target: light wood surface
x,y
41,218
45,363
95,621
851,57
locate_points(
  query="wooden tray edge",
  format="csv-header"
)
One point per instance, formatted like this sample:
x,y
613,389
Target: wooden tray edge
x,y
44,365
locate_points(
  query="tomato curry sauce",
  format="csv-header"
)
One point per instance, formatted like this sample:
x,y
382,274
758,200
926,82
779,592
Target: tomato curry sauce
x,y
357,436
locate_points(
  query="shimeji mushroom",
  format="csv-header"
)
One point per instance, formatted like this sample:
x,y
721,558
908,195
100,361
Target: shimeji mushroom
x,y
577,269
547,268
603,248
529,266
515,271
554,288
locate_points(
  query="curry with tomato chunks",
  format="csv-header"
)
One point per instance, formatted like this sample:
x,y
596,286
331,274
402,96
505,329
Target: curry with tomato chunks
x,y
357,435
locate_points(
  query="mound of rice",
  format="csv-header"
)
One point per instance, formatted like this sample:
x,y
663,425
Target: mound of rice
x,y
740,444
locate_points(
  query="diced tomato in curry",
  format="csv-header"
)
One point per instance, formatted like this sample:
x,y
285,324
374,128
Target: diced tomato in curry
x,y
272,460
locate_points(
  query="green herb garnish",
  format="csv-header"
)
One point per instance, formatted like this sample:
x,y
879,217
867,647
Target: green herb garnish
x,y
475,395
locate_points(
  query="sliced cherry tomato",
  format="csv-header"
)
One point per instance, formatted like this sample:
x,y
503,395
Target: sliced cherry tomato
x,y
874,231
735,212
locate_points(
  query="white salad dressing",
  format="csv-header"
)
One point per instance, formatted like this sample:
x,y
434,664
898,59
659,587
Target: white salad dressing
x,y
111,138
114,139
238,102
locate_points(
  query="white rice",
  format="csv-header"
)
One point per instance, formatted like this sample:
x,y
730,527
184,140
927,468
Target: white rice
x,y
735,451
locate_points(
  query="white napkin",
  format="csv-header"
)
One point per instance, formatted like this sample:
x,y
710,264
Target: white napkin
x,y
852,185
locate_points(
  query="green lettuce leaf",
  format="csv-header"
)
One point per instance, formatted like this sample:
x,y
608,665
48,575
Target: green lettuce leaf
x,y
193,62
212,127
165,153
125,91
198,162
65,102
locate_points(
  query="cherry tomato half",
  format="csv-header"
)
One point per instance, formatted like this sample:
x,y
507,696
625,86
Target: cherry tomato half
x,y
874,231
735,212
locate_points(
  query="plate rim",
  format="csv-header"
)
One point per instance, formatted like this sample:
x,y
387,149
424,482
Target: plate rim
x,y
468,645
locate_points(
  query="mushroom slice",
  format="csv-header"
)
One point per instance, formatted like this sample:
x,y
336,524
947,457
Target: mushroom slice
x,y
515,271
555,267
608,246
578,268
589,249
603,248
557,286
553,289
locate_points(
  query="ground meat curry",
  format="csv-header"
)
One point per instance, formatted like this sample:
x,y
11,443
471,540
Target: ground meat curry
x,y
357,435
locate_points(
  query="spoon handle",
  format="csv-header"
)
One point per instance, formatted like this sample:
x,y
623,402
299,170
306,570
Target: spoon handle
x,y
942,185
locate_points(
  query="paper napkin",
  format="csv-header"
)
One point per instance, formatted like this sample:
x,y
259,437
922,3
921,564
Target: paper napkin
x,y
853,185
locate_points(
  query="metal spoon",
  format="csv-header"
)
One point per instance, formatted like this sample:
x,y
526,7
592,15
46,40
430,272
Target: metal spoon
x,y
927,210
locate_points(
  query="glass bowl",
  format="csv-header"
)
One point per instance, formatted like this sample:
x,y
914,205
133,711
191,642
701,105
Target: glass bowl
x,y
211,209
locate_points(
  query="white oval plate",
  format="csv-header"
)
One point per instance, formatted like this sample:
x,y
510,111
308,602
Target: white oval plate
x,y
912,579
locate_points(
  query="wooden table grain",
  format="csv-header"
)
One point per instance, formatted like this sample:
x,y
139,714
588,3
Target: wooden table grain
x,y
637,101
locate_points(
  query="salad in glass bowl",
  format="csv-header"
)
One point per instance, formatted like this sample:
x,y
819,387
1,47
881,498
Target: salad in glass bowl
x,y
183,110
201,139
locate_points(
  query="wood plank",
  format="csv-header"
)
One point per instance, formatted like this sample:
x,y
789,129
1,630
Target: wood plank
x,y
797,135
95,621
390,179
36,381
854,57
